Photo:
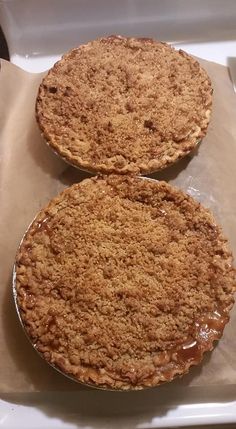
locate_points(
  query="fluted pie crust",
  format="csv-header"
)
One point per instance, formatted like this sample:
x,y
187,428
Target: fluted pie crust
x,y
124,105
124,282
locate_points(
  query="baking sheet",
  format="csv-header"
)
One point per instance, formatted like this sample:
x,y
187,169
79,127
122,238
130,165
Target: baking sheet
x,y
30,175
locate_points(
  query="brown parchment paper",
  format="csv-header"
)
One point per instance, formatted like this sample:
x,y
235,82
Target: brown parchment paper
x,y
31,174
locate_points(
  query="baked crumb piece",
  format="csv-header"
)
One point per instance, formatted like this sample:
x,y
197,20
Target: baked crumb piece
x,y
124,282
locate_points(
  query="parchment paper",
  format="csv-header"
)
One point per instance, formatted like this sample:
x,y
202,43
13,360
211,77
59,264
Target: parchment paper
x,y
31,174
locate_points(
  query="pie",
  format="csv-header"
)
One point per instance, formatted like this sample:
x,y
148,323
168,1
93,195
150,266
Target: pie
x,y
124,282
124,105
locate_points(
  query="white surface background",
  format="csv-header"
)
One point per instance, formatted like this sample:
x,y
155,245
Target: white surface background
x,y
38,32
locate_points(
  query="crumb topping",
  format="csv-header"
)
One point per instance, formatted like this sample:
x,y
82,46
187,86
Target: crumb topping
x,y
124,105
113,275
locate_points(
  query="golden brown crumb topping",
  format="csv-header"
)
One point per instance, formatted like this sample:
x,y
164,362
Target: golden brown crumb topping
x,y
119,105
124,282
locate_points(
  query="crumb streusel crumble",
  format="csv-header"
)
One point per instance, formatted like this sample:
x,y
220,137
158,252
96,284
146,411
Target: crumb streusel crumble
x,y
124,282
124,105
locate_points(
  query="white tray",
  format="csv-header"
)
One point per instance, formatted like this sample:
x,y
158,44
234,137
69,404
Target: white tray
x,y
164,407
38,32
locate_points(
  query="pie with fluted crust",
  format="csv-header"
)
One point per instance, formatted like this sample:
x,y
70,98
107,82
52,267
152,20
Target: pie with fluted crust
x,y
124,282
124,105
